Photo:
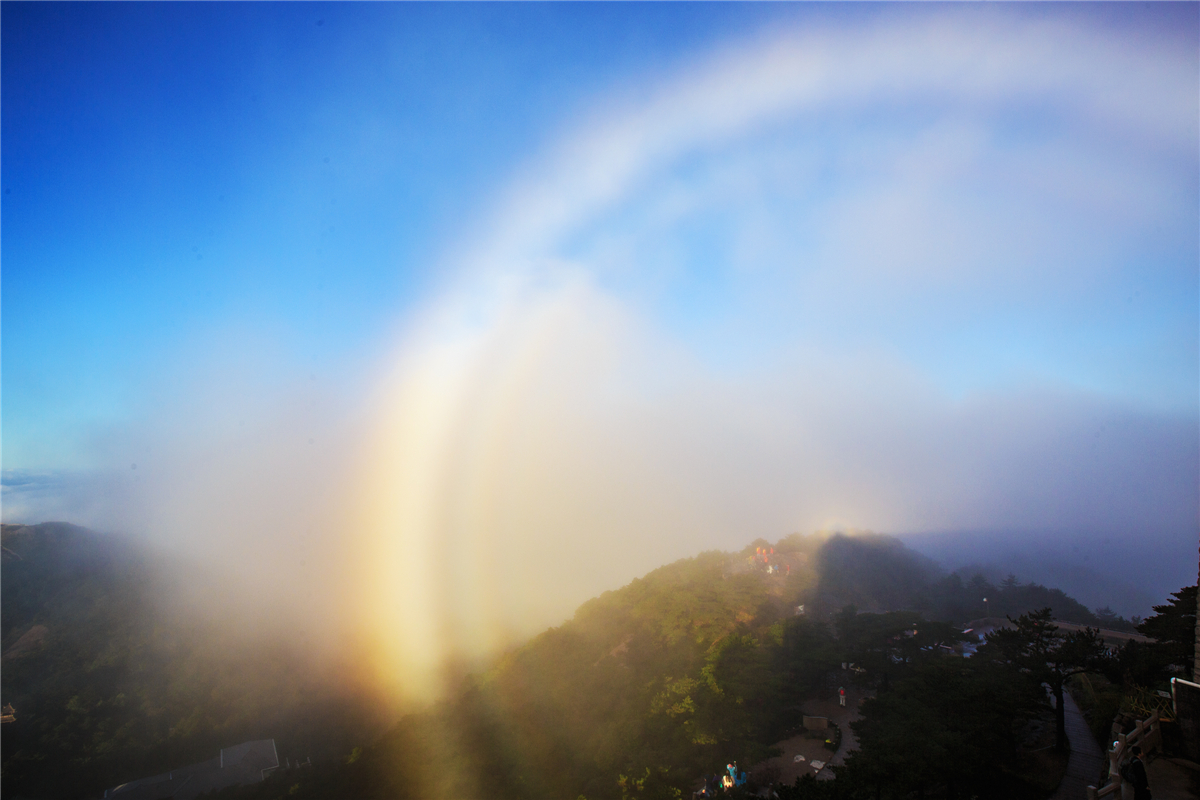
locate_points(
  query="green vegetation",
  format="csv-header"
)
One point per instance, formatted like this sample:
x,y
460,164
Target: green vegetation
x,y
1126,691
704,662
1173,627
699,663
1036,648
947,724
115,689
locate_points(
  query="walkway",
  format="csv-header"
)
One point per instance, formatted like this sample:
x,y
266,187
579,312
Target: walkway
x,y
1173,778
843,717
1087,760
814,749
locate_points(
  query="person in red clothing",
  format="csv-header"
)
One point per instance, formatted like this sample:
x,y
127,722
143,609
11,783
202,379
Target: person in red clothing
x,y
842,697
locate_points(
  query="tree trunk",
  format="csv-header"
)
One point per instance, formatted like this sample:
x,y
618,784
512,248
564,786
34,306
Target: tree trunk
x,y
1060,718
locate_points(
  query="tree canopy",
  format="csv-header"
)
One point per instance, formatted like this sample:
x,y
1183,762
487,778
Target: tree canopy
x,y
1035,647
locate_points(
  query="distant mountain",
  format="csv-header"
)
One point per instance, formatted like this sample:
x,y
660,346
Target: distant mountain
x,y
1127,574
879,573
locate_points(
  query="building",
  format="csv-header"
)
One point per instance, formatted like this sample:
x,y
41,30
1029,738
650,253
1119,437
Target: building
x,y
248,762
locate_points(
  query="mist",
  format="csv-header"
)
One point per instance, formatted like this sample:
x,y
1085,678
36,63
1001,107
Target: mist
x,y
896,275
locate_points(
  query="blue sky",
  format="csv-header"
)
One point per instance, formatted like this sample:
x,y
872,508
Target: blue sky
x,y
170,167
733,269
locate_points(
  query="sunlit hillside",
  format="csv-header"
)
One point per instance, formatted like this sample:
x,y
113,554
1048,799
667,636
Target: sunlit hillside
x,y
706,660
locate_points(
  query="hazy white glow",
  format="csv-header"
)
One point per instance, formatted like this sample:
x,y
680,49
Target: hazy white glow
x,y
839,276
545,436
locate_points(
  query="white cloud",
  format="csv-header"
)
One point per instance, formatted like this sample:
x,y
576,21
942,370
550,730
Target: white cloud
x,y
952,166
692,323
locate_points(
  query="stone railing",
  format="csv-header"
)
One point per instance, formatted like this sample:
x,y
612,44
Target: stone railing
x,y
1147,734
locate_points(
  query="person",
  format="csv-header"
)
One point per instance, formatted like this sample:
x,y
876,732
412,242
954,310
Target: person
x,y
842,696
1135,773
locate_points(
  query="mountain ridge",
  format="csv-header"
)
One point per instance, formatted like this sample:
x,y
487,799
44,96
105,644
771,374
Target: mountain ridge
x,y
676,667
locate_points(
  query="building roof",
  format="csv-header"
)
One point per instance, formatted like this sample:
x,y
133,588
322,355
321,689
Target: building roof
x,y
248,762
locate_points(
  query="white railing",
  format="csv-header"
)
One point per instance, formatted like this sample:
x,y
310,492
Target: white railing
x,y
1147,734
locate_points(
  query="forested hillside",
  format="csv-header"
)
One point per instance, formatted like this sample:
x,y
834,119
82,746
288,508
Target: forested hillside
x,y
701,662
697,664
698,661
108,686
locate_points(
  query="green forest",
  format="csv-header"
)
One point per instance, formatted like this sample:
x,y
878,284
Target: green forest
x,y
700,663
108,686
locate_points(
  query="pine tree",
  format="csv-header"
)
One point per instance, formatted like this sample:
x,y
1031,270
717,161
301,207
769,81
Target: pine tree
x,y
1035,647
1173,627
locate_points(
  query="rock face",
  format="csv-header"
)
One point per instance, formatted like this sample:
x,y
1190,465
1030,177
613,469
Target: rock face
x,y
29,643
